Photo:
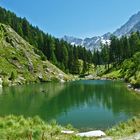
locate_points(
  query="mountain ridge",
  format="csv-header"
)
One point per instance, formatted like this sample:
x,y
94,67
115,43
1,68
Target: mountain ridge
x,y
132,25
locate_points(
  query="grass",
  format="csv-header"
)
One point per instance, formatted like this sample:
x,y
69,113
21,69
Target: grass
x,y
19,128
128,70
125,128
18,58
112,75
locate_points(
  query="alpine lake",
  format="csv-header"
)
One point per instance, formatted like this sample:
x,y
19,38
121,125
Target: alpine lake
x,y
87,104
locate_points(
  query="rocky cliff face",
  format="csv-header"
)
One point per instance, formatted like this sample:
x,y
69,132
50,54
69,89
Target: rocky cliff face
x,y
22,63
89,43
128,26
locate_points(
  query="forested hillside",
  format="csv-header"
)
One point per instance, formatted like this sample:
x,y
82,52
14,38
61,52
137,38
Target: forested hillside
x,y
20,64
130,70
119,50
59,52
121,58
115,55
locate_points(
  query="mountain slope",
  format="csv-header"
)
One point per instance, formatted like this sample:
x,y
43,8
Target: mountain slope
x,y
57,51
130,70
132,25
22,63
135,28
89,43
128,26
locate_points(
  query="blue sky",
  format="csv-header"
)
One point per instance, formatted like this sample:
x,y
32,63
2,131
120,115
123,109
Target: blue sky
x,y
79,18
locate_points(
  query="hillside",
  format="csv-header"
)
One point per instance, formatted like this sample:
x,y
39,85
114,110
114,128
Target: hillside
x,y
22,63
129,70
58,52
121,59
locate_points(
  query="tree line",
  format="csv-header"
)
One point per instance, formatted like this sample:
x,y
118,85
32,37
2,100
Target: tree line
x,y
118,50
59,52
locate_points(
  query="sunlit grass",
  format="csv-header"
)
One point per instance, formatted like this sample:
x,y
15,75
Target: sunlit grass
x,y
125,128
19,128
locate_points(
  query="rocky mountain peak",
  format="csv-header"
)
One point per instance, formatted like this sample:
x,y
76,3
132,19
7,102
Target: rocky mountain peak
x,y
132,25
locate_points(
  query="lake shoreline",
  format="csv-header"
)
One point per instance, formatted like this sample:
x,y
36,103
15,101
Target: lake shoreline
x,y
101,78
36,128
129,85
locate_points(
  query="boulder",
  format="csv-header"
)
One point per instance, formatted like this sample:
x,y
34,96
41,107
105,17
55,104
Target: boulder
x,y
67,132
89,77
62,81
137,89
129,86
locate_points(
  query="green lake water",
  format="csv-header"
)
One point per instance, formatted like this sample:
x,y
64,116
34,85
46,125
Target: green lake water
x,y
91,104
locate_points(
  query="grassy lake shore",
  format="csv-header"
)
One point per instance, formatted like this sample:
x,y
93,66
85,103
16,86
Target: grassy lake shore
x,y
20,128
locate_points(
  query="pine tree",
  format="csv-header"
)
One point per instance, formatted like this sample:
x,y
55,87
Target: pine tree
x,y
85,67
59,52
